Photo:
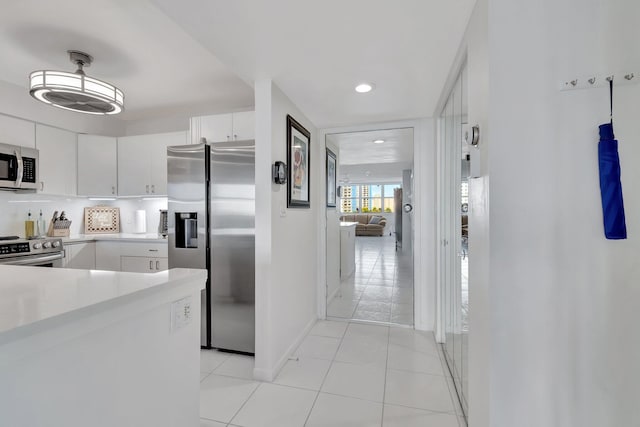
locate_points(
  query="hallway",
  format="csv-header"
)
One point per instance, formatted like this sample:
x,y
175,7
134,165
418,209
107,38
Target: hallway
x,y
345,374
381,289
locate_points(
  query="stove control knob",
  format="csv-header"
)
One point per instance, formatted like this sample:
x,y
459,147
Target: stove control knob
x,y
46,245
37,245
56,244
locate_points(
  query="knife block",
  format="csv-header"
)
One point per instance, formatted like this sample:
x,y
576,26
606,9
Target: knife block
x,y
59,228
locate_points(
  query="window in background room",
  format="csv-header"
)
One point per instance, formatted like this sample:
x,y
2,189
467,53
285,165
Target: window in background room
x,y
367,198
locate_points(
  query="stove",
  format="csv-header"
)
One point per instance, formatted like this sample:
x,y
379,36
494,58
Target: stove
x,y
46,252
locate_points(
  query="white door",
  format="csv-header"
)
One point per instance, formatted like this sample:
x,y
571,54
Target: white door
x,y
58,160
97,166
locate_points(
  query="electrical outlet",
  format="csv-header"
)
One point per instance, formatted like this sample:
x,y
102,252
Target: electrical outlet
x,y
180,313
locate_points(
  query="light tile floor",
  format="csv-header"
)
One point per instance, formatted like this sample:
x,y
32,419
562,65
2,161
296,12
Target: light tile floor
x,y
381,289
344,375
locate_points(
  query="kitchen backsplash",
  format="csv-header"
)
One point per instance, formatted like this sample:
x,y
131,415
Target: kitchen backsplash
x,y
14,208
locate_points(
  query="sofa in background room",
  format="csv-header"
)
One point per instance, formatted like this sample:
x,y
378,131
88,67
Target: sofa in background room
x,y
368,224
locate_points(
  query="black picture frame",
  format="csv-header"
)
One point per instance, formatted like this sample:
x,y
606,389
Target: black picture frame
x,y
299,161
332,165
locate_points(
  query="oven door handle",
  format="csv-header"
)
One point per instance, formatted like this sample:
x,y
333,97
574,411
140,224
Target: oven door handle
x,y
20,174
31,260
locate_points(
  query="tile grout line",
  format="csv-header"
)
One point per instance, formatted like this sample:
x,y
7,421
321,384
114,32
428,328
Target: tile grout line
x,y
386,372
326,375
244,403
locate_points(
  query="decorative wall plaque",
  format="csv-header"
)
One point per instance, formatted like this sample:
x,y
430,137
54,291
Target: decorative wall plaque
x,y
101,219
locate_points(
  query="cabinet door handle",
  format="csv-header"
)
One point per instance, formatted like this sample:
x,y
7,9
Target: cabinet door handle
x,y
153,250
235,136
150,265
113,189
41,185
153,188
157,265
147,188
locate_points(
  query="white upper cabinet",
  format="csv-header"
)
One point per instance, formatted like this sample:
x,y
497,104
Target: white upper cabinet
x,y
134,173
216,128
244,126
17,132
97,166
58,159
142,163
223,127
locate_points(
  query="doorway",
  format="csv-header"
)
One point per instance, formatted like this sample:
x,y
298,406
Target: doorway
x,y
369,244
453,226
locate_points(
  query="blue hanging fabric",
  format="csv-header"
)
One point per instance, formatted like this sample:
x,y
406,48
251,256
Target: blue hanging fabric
x,y
615,227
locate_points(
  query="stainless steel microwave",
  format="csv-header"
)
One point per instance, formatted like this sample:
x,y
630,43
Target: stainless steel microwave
x,y
18,168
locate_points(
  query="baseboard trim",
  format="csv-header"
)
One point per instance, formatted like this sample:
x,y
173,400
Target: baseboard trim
x,y
268,375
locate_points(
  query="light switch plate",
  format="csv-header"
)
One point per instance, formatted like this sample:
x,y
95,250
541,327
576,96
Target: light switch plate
x,y
181,314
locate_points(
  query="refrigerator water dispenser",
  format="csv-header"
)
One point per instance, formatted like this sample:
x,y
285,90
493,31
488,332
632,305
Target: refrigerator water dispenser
x,y
186,230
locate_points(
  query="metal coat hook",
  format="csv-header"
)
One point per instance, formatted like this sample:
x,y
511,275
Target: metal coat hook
x,y
593,81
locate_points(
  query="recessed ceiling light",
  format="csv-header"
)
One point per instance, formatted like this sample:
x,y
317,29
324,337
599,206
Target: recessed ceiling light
x,y
379,141
364,87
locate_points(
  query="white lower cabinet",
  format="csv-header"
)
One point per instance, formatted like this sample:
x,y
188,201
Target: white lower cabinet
x,y
108,256
133,257
80,255
134,264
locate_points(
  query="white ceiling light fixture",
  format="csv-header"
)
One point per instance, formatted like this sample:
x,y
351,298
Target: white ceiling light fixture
x,y
364,87
378,141
76,91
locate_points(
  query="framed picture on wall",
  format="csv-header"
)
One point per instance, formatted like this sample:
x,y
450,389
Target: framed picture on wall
x,y
299,161
331,179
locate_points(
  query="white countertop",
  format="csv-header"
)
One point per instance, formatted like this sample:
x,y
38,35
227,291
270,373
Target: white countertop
x,y
116,237
348,224
33,295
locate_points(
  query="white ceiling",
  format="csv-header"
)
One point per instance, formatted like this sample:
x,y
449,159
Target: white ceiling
x,y
138,48
358,148
317,51
362,161
372,174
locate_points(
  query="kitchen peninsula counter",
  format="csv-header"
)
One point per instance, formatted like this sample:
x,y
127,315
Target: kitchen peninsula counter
x,y
110,347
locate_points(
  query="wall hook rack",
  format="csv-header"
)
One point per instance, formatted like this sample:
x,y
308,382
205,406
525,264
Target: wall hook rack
x,y
601,80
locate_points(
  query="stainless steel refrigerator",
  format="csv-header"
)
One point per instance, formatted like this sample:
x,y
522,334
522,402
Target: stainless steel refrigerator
x,y
211,225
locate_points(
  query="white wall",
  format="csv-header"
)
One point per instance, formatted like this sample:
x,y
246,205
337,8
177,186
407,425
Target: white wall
x,y
563,300
286,246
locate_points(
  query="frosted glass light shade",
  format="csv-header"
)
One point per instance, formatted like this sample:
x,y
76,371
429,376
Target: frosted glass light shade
x,y
76,92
